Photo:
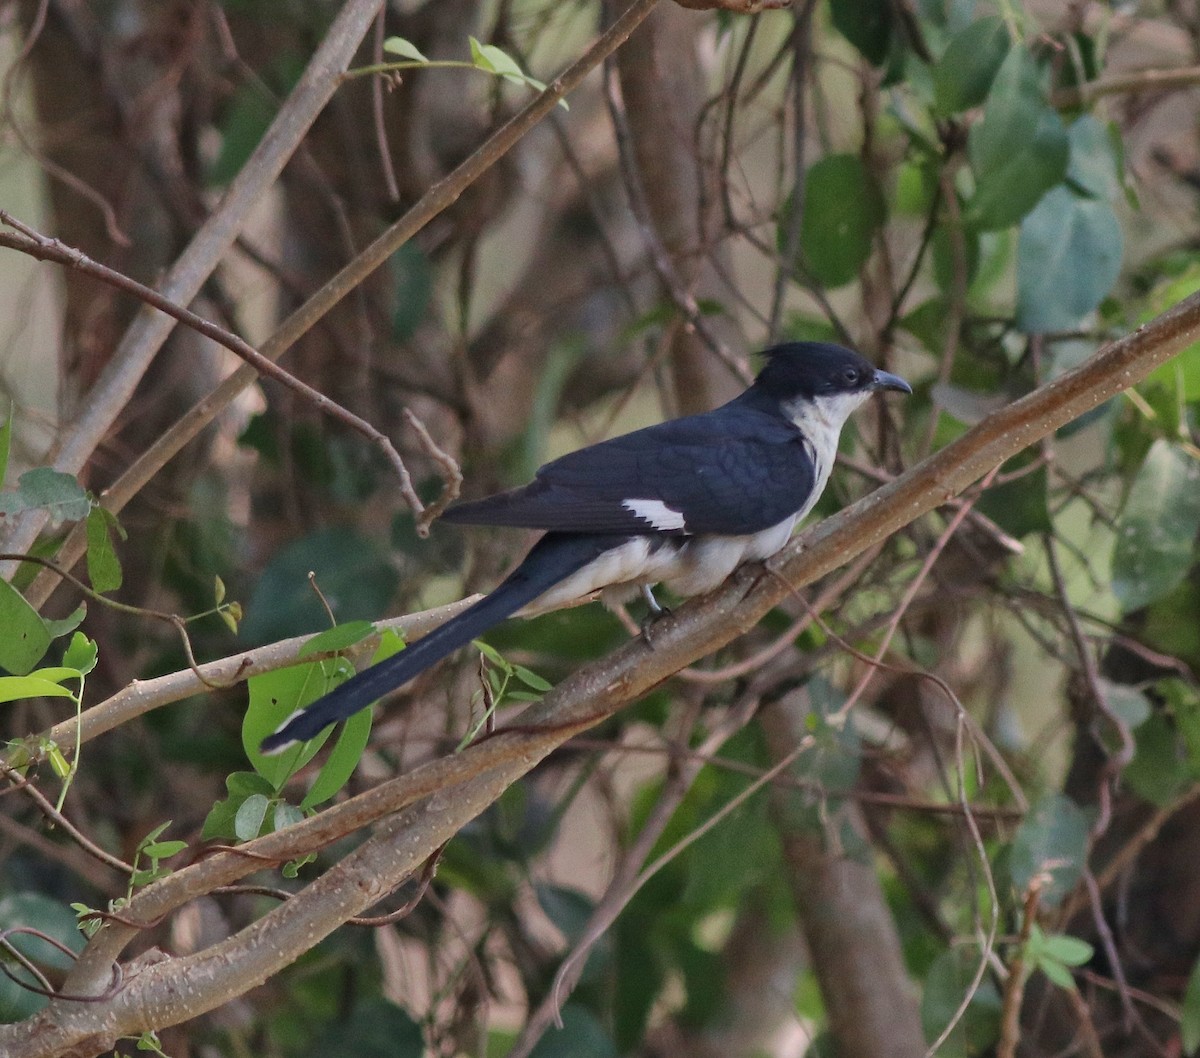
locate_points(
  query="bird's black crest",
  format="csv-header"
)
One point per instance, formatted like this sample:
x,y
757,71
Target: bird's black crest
x,y
808,369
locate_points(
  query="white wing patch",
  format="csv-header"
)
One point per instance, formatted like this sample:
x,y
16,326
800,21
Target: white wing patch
x,y
657,513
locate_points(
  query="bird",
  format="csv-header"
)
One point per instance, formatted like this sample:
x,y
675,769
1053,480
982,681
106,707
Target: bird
x,y
681,504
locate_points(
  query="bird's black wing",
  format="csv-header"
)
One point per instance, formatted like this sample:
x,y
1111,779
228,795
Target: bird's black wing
x,y
730,471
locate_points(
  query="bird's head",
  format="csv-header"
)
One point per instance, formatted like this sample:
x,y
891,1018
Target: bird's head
x,y
807,379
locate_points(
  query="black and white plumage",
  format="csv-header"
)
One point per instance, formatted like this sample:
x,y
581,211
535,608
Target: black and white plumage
x,y
683,504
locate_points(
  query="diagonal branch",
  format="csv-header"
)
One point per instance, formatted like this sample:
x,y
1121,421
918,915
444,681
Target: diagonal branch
x,y
144,696
438,198
183,282
434,801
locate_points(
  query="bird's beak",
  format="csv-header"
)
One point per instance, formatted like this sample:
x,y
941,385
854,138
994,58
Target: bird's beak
x,y
886,380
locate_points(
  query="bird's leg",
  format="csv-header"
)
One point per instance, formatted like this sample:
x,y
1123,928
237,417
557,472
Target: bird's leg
x,y
657,611
651,601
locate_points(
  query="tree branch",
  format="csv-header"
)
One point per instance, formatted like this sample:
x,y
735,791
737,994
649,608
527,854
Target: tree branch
x,y
44,248
144,696
149,330
440,196
453,790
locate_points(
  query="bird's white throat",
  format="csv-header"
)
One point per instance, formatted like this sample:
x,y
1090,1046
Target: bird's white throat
x,y
821,420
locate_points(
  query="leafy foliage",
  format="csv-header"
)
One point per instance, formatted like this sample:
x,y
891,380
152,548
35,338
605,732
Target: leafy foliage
x,y
950,186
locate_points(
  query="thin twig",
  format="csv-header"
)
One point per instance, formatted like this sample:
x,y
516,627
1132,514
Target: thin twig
x,y
1136,81
145,336
61,821
45,248
438,198
673,285
1014,987
381,136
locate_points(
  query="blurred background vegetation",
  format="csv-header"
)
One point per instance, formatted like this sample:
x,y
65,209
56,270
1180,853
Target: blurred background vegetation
x,y
977,196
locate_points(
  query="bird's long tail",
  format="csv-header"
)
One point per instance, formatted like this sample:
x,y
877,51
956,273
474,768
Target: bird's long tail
x,y
554,557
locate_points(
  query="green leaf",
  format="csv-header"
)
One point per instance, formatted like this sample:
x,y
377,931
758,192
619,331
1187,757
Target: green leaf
x,y
1018,151
406,49
1052,840
340,638
842,209
1126,702
531,679
1019,506
569,909
479,57
104,568
55,674
492,654
342,760
1054,292
1160,770
947,982
581,1036
68,624
58,763
496,60
1156,530
1057,973
244,124
38,911
352,738
1071,951
50,490
963,76
240,785
1095,159
356,576
81,654
24,637
286,815
162,850
154,835
867,24
1189,1026
274,696
247,823
374,1028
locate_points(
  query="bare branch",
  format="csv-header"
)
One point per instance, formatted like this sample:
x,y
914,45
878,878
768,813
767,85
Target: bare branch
x,y
453,790
443,194
1127,83
144,696
150,329
738,7
44,248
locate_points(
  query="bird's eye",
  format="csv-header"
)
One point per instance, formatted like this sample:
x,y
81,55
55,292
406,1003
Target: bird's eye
x,y
850,376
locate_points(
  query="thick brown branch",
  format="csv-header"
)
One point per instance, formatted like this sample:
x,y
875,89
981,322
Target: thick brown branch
x,y
453,790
